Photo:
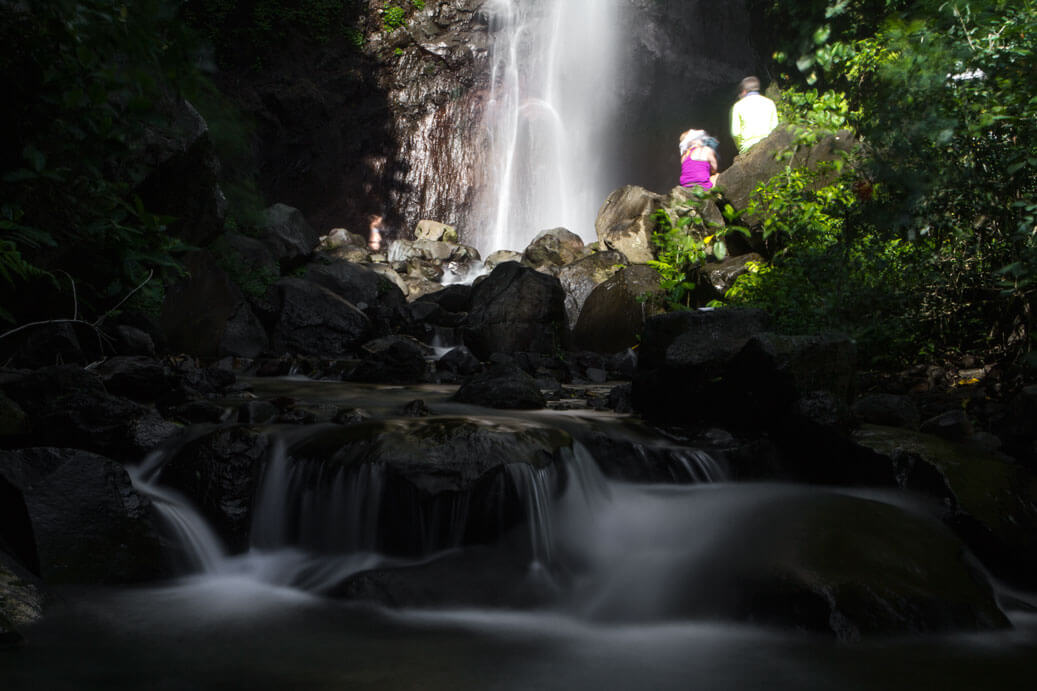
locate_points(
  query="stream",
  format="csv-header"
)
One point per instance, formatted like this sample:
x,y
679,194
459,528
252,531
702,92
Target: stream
x,y
607,550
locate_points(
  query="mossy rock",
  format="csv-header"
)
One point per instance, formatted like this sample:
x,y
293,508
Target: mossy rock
x,y
991,501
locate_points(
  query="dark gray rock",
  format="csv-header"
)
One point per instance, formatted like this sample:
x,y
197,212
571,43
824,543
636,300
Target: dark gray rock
x,y
69,407
393,360
257,412
220,472
953,424
845,566
614,314
580,277
459,361
290,239
890,410
206,314
626,222
991,503
502,386
141,379
681,357
516,309
375,295
130,340
554,248
183,177
718,277
88,523
312,320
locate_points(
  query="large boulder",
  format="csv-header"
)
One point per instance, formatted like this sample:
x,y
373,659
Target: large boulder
x,y
287,235
220,472
393,360
772,371
313,320
580,277
88,523
435,231
502,386
68,406
626,222
798,558
516,309
990,502
206,314
614,313
765,160
409,486
681,357
183,177
551,249
372,293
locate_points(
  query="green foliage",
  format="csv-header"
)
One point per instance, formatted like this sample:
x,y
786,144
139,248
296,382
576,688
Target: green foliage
x,y
684,238
83,80
393,17
944,192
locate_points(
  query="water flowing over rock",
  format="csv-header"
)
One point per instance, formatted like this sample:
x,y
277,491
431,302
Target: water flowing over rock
x,y
221,471
404,487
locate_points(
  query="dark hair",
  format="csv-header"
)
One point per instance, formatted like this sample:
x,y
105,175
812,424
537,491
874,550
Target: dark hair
x,y
750,84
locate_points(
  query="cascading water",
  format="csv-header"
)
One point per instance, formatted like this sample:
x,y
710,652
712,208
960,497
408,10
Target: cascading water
x,y
549,118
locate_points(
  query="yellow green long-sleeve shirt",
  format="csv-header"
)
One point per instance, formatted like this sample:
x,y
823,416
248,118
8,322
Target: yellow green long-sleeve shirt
x,y
753,117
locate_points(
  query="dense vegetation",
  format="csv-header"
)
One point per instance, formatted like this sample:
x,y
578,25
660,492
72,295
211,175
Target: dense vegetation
x,y
925,242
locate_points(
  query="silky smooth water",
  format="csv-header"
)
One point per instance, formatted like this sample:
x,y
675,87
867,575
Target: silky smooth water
x,y
615,553
549,118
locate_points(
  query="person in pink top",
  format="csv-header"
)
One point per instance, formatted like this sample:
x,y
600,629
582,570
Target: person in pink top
x,y
698,160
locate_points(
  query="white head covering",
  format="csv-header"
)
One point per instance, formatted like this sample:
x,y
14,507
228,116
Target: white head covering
x,y
689,138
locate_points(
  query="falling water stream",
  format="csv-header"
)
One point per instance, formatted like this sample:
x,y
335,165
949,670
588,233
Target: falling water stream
x,y
550,116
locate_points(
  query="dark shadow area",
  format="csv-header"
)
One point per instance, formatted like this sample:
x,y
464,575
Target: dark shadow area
x,y
321,123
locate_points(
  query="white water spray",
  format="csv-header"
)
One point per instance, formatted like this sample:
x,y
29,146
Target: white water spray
x,y
548,119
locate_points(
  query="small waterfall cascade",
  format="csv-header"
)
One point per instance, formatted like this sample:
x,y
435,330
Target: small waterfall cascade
x,y
316,522
202,549
548,118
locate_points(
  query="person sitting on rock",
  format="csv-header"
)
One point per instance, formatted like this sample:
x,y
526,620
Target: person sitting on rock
x,y
374,235
753,117
698,159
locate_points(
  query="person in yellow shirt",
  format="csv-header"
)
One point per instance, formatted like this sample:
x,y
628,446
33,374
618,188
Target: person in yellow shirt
x,y
753,117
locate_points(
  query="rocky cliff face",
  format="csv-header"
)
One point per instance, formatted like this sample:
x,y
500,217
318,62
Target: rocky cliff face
x,y
395,125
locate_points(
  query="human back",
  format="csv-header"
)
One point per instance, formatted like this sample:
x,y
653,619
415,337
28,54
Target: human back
x,y
753,116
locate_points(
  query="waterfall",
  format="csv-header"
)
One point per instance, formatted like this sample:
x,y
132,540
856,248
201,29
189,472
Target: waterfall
x,y
549,118
201,547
